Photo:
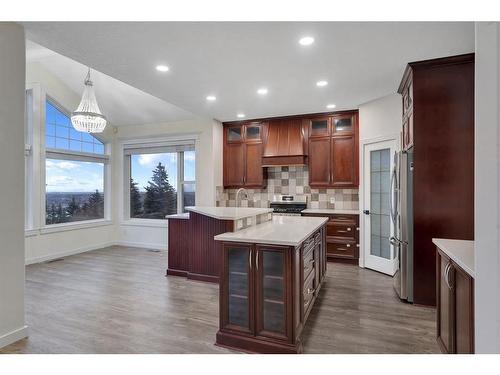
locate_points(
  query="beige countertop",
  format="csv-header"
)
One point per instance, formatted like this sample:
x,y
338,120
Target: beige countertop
x,y
183,216
281,230
460,251
228,213
330,211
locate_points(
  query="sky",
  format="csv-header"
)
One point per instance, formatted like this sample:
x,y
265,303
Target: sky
x,y
73,176
142,167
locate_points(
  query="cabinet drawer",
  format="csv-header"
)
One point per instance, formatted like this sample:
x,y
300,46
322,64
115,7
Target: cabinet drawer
x,y
342,249
337,228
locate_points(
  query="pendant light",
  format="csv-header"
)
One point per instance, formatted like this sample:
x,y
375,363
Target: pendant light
x,y
88,117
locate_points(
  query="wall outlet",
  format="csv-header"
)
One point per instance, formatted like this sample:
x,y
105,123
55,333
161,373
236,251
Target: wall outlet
x,y
332,200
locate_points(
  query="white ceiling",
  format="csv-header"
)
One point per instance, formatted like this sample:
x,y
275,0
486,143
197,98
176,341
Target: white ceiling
x,y
361,61
121,103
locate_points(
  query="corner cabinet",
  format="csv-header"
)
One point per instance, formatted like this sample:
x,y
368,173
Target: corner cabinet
x,y
333,151
267,292
455,307
243,147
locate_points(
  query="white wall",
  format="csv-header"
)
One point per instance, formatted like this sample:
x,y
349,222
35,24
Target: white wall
x,y
487,192
12,70
45,244
208,174
379,120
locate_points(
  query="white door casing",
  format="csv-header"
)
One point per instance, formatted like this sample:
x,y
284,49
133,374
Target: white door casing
x,y
378,163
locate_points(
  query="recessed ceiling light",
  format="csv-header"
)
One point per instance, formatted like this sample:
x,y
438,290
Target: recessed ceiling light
x,y
162,68
240,115
306,41
331,106
321,83
262,91
211,98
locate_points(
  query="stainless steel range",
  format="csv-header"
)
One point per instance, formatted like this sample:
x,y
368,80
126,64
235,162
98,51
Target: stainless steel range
x,y
288,205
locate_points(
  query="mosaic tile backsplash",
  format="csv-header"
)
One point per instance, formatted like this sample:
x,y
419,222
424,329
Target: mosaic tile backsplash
x,y
293,181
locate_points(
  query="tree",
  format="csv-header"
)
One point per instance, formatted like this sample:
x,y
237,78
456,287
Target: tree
x,y
73,208
160,198
60,216
135,199
95,207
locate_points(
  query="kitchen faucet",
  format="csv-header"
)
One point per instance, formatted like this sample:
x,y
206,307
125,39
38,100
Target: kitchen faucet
x,y
240,190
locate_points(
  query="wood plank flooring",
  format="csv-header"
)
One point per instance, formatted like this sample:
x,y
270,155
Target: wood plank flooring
x,y
117,300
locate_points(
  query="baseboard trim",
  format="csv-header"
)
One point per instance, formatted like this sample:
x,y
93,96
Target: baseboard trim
x,y
80,250
13,336
143,245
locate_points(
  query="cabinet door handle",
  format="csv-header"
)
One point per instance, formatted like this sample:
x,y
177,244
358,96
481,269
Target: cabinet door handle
x,y
348,245
257,261
348,229
250,259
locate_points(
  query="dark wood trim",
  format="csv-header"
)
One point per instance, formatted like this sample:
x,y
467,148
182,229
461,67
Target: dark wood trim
x,y
171,272
202,277
276,161
431,63
290,117
249,344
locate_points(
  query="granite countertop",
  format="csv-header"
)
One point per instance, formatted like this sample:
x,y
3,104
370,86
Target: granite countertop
x,y
228,213
330,211
183,216
460,251
281,230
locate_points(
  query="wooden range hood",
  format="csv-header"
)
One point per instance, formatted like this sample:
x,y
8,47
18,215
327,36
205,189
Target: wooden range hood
x,y
285,143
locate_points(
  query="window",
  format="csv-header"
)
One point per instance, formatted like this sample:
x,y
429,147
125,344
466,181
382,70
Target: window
x,y
28,159
75,170
162,180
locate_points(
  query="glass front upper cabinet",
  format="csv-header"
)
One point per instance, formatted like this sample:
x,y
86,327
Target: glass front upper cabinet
x,y
319,127
343,124
253,132
235,134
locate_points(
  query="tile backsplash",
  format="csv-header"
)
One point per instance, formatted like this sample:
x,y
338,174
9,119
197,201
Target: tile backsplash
x,y
293,181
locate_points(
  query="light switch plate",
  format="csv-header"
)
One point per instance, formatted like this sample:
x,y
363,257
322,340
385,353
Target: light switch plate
x,y
332,200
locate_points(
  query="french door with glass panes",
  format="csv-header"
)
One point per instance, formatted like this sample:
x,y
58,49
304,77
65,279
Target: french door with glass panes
x,y
379,254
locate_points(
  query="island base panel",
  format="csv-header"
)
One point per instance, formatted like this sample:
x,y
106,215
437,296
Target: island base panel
x,y
255,345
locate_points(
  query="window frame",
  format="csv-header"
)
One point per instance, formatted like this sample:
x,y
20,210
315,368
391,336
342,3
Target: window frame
x,y
177,140
57,153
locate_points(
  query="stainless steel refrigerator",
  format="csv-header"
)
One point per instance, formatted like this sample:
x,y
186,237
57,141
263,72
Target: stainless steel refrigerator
x,y
402,219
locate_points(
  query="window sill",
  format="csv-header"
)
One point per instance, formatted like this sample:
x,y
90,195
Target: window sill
x,y
54,228
152,223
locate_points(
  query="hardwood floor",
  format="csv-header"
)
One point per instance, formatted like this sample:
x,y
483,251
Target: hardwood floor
x,y
117,300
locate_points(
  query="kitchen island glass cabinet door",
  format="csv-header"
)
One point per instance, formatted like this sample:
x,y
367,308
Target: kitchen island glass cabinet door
x,y
271,289
237,288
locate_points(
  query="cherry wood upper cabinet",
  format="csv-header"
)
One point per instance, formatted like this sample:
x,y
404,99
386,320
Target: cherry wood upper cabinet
x,y
344,161
243,144
333,151
319,161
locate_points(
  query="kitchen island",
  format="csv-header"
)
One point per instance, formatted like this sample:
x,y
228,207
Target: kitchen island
x,y
271,274
192,251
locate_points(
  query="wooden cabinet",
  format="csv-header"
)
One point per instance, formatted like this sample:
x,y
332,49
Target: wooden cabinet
x,y
455,306
243,145
438,121
319,161
342,237
333,151
267,292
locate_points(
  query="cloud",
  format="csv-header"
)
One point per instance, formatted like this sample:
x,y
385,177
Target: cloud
x,y
152,160
65,165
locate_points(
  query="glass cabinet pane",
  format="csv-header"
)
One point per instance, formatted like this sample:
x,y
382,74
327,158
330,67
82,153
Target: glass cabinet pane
x,y
343,124
273,291
253,132
234,134
238,286
319,127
